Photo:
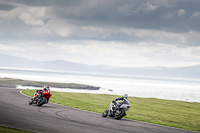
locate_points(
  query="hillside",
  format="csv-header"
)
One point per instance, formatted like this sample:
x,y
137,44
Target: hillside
x,y
170,72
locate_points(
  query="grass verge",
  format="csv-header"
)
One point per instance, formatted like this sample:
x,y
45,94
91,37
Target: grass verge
x,y
177,114
11,130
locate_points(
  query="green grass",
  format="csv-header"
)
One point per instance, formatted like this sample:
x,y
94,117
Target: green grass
x,y
185,115
11,130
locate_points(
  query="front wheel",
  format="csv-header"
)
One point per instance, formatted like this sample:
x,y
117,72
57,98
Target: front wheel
x,y
105,113
30,101
41,101
119,114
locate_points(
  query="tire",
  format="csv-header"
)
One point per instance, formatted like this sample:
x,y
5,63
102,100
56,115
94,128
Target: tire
x,y
105,113
122,114
30,101
41,101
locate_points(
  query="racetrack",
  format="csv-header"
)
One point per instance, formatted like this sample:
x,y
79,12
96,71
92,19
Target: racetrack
x,y
52,118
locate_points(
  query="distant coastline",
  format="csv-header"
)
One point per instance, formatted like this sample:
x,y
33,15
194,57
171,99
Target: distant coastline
x,y
13,83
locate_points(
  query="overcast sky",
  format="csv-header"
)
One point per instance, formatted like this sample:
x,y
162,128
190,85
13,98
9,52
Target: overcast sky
x,y
129,33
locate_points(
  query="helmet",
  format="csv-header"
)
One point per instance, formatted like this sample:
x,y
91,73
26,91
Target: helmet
x,y
47,86
125,96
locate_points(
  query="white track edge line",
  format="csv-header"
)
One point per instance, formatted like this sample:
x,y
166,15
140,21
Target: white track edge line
x,y
61,104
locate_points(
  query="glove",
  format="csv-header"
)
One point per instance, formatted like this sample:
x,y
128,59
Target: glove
x,y
113,101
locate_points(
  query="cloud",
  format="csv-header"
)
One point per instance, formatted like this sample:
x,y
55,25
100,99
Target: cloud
x,y
29,15
122,32
125,54
148,7
144,14
131,9
6,7
56,27
196,14
10,48
33,16
181,12
113,53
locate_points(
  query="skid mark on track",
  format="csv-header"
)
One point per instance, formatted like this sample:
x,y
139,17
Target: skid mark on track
x,y
107,125
68,119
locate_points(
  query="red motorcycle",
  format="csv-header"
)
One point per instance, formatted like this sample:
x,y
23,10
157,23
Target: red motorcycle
x,y
41,97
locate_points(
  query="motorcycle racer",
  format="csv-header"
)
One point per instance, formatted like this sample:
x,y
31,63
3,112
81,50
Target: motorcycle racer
x,y
122,98
40,91
118,109
41,96
114,102
47,89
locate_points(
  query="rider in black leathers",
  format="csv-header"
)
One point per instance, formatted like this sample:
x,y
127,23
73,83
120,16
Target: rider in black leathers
x,y
120,98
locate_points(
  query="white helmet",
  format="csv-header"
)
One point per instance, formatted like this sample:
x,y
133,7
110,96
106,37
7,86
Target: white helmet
x,y
125,96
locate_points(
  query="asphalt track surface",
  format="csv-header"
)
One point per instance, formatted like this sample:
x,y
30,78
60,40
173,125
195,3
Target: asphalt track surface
x,y
52,118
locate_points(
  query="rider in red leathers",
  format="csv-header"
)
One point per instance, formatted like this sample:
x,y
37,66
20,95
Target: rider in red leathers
x,y
40,91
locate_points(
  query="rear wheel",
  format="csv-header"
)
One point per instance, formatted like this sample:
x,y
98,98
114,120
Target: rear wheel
x,y
119,114
105,113
41,101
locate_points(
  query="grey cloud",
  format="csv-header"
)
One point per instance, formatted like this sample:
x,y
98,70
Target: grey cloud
x,y
134,14
6,7
163,15
46,3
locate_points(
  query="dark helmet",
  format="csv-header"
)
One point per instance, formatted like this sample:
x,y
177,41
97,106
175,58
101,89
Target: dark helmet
x,y
125,96
47,86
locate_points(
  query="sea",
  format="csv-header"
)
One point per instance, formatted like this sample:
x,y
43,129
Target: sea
x,y
146,87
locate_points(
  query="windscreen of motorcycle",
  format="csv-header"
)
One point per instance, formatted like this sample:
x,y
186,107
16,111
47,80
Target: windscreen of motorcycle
x,y
126,101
